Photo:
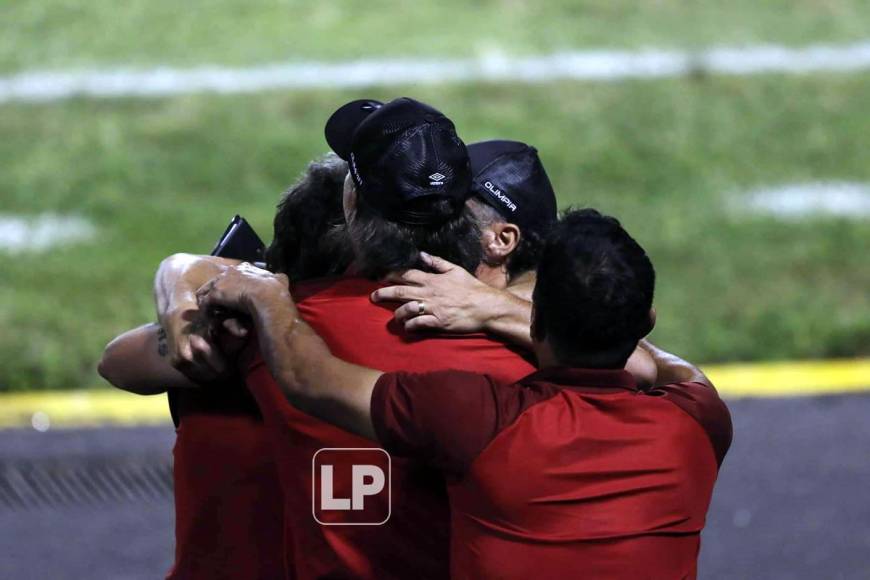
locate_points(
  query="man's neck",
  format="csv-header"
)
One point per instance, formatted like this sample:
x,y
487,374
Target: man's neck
x,y
544,355
523,285
547,358
492,276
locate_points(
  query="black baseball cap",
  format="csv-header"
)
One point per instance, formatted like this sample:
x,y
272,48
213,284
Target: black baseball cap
x,y
509,176
400,153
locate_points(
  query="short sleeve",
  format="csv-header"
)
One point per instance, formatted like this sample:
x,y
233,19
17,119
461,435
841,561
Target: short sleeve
x,y
705,406
444,418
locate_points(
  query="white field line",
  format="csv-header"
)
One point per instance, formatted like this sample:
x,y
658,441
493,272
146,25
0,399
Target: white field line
x,y
39,233
814,199
591,65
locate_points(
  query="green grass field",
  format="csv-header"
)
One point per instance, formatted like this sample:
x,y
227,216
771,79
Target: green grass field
x,y
671,158
65,33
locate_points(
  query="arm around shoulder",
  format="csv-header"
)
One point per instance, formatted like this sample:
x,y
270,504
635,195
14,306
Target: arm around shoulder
x,y
136,361
672,369
308,374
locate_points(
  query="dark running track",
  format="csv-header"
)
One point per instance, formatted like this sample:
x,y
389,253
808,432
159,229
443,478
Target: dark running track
x,y
792,502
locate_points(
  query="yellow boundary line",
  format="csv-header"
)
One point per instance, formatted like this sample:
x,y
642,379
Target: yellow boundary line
x,y
109,406
81,409
790,379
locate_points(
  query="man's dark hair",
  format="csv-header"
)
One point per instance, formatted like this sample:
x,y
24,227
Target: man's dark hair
x,y
384,246
526,255
594,291
310,239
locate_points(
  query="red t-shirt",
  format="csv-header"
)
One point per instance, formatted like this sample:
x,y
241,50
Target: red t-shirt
x,y
228,517
569,473
414,542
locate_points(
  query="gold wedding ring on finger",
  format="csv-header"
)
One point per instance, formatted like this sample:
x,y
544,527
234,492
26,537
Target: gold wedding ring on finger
x,y
421,308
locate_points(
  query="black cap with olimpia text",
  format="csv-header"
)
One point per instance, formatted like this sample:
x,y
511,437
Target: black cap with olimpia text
x,y
401,152
509,176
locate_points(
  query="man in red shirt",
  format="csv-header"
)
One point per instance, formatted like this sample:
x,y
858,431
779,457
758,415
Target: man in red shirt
x,y
408,190
571,472
228,509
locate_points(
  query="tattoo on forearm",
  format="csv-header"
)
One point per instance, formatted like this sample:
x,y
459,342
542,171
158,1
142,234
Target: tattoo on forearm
x,y
162,345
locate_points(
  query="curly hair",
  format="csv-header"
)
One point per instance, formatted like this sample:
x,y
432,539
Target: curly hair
x,y
384,246
310,233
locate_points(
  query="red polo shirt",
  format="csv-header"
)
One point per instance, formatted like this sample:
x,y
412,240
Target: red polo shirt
x,y
414,541
228,518
569,473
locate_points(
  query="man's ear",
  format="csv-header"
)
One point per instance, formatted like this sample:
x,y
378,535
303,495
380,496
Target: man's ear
x,y
499,241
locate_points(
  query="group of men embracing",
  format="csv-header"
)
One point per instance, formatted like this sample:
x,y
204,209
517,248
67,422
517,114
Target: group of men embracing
x,y
424,297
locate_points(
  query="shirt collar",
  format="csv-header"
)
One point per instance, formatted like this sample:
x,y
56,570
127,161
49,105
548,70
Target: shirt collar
x,y
590,379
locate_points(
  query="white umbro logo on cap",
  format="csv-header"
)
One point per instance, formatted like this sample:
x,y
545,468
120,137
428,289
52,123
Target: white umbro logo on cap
x,y
437,179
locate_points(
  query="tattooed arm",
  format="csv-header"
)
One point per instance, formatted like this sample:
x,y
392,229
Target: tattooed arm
x,y
137,361
162,345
